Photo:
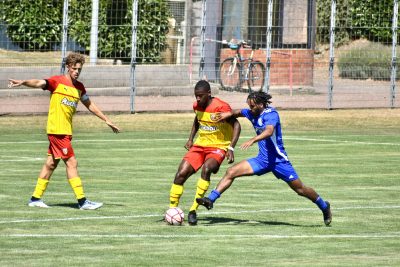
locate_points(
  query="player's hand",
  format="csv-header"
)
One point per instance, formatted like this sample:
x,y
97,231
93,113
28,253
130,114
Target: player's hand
x,y
188,144
247,144
220,116
230,156
14,83
113,127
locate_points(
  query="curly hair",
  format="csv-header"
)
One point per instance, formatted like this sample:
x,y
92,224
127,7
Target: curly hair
x,y
203,85
74,58
260,98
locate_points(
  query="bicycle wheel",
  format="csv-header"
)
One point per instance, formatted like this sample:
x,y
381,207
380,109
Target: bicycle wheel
x,y
229,74
256,76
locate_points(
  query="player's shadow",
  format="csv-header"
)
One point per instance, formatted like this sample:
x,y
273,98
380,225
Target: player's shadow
x,y
66,205
209,221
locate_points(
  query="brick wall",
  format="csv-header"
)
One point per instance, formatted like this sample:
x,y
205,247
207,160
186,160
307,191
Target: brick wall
x,y
301,61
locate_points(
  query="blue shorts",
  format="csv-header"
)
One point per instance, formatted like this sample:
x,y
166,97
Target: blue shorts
x,y
281,170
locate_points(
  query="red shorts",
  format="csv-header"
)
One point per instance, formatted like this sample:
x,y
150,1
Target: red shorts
x,y
60,146
197,155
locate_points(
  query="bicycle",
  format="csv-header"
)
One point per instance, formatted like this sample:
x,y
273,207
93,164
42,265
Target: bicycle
x,y
235,71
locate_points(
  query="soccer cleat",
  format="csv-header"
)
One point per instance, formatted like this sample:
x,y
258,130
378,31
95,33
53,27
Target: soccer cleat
x,y
192,217
205,201
90,205
327,214
37,203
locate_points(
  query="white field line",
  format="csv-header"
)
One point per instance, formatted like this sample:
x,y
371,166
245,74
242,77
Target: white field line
x,y
184,139
252,236
209,213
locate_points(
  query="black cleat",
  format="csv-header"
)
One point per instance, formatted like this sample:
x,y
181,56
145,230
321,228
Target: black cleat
x,y
205,201
192,217
327,214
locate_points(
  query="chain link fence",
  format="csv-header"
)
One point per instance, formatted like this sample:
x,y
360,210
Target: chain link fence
x,y
147,55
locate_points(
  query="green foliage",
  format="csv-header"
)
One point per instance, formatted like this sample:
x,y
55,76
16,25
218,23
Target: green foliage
x,y
372,61
356,19
33,25
115,28
38,25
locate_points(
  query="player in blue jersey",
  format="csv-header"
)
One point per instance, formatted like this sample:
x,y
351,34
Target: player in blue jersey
x,y
272,156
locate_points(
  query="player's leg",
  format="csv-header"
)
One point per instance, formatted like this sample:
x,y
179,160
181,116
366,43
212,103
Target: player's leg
x,y
211,165
240,169
286,172
75,182
43,180
185,170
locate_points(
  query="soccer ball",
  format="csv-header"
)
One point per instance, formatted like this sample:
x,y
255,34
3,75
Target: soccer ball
x,y
174,216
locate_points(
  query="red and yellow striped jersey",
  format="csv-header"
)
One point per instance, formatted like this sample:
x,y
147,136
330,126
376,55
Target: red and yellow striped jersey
x,y
63,103
212,133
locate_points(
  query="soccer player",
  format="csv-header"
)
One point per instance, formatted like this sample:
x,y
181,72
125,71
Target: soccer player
x,y
215,140
66,91
271,157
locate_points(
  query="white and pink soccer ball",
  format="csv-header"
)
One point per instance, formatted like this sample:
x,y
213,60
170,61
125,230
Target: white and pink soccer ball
x,y
174,216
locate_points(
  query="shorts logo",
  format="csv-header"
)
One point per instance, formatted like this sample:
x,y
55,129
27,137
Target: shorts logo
x,y
65,151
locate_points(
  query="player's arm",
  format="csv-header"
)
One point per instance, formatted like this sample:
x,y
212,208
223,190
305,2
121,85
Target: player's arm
x,y
235,137
220,116
195,128
92,107
33,83
269,131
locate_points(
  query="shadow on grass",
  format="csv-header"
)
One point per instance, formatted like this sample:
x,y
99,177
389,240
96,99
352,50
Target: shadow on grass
x,y
209,221
66,205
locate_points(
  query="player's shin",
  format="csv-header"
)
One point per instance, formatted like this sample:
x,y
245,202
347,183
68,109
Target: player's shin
x,y
174,195
40,188
202,187
77,187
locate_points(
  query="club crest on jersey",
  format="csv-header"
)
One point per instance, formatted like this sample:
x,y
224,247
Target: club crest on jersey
x,y
65,151
66,102
213,117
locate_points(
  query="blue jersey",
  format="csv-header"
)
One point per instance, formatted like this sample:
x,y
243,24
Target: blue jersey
x,y
271,150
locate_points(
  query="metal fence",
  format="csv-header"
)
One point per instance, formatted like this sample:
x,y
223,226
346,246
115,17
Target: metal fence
x,y
147,55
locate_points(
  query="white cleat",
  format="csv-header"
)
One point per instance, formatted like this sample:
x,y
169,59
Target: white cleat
x,y
90,205
37,203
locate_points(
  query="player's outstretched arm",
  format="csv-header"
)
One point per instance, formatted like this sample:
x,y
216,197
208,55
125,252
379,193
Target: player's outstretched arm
x,y
33,83
96,111
269,130
220,116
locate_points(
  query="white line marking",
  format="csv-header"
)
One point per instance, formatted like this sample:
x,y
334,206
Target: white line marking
x,y
266,236
184,139
209,213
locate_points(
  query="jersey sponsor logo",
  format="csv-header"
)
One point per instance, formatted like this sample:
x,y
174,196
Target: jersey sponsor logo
x,y
208,128
66,102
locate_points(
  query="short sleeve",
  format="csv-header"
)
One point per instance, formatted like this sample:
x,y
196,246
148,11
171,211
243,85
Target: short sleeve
x,y
246,112
51,84
271,118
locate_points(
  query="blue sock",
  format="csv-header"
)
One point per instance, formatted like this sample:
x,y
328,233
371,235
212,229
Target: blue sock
x,y
321,203
214,195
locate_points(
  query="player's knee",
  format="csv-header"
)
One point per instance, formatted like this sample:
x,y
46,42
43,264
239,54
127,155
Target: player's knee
x,y
301,191
230,173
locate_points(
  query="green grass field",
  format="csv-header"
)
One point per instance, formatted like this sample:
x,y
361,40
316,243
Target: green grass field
x,y
351,157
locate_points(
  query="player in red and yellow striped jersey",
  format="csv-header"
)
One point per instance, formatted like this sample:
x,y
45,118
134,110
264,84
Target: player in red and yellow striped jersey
x,y
66,92
214,141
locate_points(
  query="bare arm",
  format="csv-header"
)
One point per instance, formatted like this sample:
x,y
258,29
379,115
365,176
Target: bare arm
x,y
269,130
225,115
195,128
33,83
235,137
92,107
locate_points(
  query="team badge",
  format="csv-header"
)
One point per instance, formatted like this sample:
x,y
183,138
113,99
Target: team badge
x,y
213,117
65,151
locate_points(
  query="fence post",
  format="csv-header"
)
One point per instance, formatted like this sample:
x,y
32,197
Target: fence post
x,y
94,32
394,57
331,53
202,38
133,55
64,36
269,40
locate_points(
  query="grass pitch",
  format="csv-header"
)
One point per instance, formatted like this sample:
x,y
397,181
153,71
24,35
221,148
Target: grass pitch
x,y
350,157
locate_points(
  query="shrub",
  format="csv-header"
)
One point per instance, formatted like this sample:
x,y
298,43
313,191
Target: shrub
x,y
372,61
